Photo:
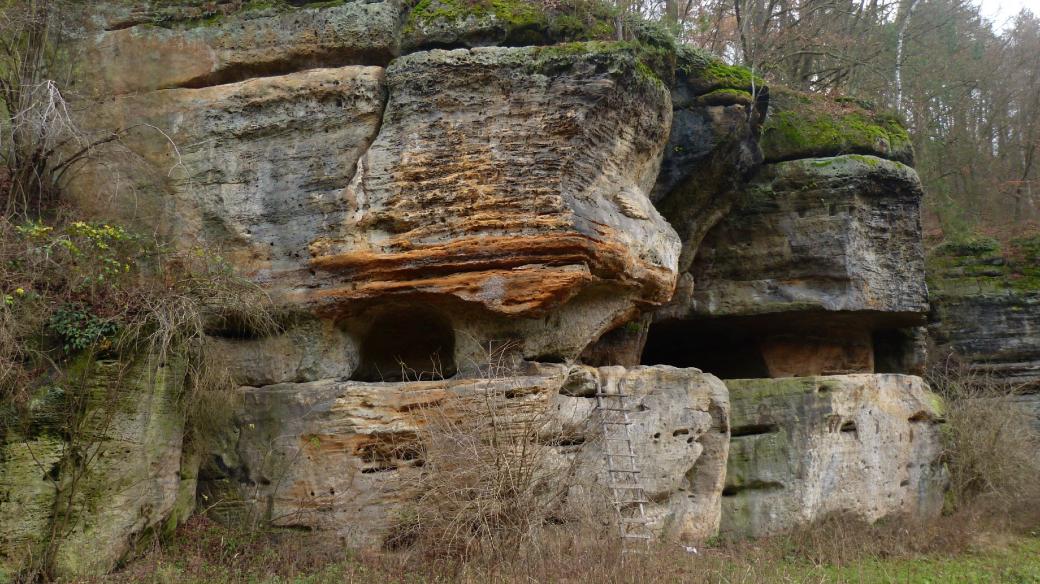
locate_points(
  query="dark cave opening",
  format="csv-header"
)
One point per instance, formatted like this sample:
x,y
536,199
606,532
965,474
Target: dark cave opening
x,y
726,354
407,344
893,350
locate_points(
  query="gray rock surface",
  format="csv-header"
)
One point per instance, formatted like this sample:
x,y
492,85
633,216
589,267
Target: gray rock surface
x,y
828,234
862,445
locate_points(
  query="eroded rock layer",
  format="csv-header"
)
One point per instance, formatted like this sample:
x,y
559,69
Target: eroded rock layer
x,y
817,265
511,178
346,456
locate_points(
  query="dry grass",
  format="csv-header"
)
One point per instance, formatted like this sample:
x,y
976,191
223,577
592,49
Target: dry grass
x,y
492,476
976,545
991,441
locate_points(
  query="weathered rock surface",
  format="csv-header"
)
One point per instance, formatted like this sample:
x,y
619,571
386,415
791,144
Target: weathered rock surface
x,y
986,312
255,169
712,146
438,214
815,270
811,265
511,178
342,456
116,478
515,181
803,448
134,48
829,234
986,307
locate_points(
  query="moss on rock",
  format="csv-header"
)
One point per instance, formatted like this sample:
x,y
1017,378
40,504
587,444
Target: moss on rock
x,y
803,126
474,23
705,73
977,265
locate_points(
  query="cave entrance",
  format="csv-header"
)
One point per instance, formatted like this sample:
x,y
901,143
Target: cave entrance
x,y
407,344
726,354
895,351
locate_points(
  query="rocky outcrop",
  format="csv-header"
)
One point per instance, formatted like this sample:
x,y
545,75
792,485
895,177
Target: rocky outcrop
x,y
524,187
803,448
346,456
539,209
110,479
838,234
986,313
452,201
819,266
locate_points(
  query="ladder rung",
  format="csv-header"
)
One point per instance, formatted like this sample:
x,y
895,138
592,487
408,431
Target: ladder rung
x,y
633,471
625,423
636,536
603,409
622,454
614,395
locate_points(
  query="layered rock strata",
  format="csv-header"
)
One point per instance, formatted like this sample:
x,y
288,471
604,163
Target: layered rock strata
x,y
446,206
986,313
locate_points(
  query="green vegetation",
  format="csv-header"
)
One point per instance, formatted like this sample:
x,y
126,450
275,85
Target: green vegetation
x,y
706,72
974,264
726,96
651,64
803,125
1016,562
525,22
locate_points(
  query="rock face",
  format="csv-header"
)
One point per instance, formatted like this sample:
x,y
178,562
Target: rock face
x,y
803,448
818,267
144,46
119,477
343,456
511,219
540,209
514,180
839,234
986,306
986,312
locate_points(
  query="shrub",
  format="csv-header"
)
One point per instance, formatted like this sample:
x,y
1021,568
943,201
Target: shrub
x,y
491,480
991,440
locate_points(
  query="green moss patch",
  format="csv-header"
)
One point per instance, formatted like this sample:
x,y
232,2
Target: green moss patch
x,y
803,126
471,23
706,74
977,265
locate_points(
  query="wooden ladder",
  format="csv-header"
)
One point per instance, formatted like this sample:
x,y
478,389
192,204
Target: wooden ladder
x,y
622,464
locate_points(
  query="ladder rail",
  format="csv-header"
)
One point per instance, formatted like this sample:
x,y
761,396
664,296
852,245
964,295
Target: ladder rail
x,y
623,476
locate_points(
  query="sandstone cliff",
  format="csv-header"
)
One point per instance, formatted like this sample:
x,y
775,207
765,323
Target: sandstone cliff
x,y
420,187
